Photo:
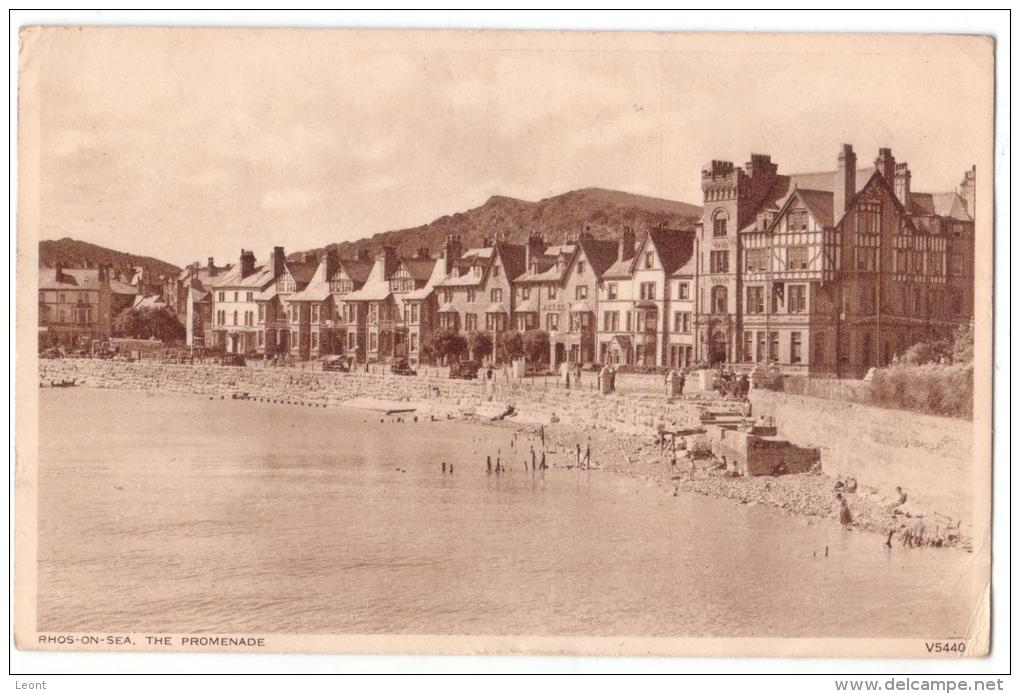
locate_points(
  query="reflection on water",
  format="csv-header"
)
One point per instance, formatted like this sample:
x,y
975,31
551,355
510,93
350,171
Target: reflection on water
x,y
175,513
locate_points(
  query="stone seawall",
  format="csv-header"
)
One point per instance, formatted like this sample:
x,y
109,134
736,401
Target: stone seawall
x,y
536,403
930,457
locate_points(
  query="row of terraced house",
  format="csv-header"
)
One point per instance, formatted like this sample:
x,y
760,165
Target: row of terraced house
x,y
830,272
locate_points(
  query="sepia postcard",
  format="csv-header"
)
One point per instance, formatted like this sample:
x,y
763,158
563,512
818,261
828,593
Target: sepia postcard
x,y
456,342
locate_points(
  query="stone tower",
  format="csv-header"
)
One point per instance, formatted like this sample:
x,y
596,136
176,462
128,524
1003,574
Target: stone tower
x,y
731,196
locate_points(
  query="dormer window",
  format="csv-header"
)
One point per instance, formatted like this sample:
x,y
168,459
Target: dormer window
x,y
495,270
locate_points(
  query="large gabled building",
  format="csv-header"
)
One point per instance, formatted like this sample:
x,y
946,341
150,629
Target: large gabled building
x,y
79,305
558,293
646,301
828,273
237,325
477,293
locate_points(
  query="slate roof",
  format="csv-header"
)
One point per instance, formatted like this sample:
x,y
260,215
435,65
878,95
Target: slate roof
x,y
261,277
419,268
357,270
301,272
601,254
619,270
370,292
80,278
675,247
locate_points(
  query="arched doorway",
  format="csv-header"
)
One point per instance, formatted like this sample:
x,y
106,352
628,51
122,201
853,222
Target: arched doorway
x,y
717,347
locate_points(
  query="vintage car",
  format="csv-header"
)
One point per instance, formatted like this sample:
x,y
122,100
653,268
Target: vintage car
x,y
402,368
466,370
336,363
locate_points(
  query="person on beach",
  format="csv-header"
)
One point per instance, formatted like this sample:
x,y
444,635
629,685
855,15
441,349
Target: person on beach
x,y
845,518
901,498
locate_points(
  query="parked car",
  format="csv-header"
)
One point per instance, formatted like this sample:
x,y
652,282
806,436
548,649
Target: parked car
x,y
232,360
402,368
336,363
465,369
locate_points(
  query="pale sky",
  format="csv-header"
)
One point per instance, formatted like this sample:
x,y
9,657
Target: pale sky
x,y
183,144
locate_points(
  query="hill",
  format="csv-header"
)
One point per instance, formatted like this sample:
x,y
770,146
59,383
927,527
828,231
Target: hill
x,y
73,253
603,212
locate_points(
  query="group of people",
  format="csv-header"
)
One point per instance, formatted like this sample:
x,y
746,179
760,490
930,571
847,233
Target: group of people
x,y
913,533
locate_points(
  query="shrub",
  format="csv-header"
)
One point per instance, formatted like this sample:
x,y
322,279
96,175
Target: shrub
x,y
511,346
939,389
479,344
448,344
536,346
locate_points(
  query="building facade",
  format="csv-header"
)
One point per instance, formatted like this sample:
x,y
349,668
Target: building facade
x,y
646,302
237,325
828,273
79,305
477,294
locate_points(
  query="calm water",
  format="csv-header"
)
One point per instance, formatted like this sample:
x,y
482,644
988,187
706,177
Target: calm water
x,y
179,514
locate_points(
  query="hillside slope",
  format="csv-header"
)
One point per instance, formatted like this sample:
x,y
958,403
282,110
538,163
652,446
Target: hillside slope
x,y
73,253
604,212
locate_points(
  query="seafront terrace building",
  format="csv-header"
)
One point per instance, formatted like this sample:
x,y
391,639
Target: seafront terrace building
x,y
558,293
79,305
646,301
477,293
249,313
387,316
829,273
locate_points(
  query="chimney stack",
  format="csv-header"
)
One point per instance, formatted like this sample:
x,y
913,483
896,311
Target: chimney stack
x,y
626,250
902,185
886,165
247,263
846,181
279,261
535,248
210,266
332,262
968,190
452,251
58,272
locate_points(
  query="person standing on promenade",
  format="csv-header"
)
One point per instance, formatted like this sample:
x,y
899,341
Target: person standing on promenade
x,y
845,518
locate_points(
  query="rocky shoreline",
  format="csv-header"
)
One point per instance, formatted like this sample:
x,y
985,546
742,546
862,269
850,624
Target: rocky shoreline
x,y
620,431
810,496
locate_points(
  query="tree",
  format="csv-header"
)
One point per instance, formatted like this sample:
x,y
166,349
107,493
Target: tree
x,y
129,323
144,323
164,325
448,344
536,346
479,344
511,345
